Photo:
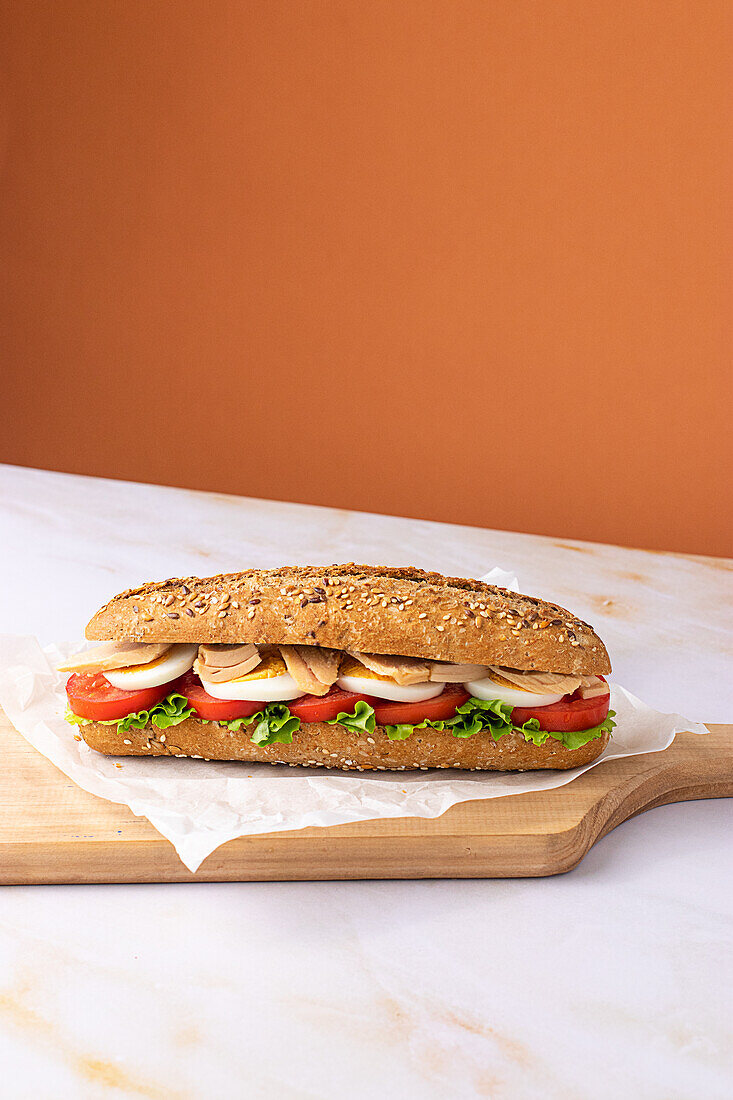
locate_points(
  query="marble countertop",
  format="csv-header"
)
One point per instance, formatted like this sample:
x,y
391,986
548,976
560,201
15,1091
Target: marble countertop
x,y
607,981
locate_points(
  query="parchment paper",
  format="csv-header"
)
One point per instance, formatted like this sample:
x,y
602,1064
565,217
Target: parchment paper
x,y
198,805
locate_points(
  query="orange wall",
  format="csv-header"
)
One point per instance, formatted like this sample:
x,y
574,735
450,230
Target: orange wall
x,y
466,261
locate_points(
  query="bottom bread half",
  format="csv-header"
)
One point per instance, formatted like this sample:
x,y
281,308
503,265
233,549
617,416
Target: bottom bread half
x,y
320,745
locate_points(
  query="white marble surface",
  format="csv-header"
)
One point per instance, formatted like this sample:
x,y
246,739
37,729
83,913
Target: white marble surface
x,y
610,981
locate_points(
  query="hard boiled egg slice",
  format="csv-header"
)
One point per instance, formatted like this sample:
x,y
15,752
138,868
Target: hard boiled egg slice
x,y
268,683
493,687
355,677
171,665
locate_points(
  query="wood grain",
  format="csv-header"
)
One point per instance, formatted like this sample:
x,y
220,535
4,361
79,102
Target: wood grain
x,y
51,831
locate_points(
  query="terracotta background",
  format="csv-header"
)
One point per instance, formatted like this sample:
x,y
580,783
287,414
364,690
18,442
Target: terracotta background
x,y
465,261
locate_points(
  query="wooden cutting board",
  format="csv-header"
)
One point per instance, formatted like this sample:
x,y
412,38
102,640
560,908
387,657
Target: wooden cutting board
x,y
52,832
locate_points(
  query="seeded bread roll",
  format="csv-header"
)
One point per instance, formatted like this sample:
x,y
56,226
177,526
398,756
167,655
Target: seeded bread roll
x,y
372,609
319,744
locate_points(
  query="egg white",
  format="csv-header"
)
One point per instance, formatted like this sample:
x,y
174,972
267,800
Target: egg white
x,y
487,688
264,689
170,666
388,689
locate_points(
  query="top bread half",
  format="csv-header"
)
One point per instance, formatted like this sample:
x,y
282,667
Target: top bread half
x,y
370,609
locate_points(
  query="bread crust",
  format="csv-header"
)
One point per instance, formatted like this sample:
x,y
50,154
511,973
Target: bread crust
x,y
319,744
374,609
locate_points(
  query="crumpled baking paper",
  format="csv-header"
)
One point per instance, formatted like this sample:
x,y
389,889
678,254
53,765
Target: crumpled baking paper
x,y
199,805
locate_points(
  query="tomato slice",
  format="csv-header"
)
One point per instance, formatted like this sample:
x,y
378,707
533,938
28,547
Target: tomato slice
x,y
571,713
215,710
441,707
321,708
92,696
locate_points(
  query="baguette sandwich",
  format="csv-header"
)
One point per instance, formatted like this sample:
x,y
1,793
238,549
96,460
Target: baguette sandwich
x,y
352,667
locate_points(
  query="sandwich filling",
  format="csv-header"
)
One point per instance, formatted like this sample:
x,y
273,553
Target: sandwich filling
x,y
270,690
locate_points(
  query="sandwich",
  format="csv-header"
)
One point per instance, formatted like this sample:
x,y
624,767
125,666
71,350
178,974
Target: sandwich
x,y
350,667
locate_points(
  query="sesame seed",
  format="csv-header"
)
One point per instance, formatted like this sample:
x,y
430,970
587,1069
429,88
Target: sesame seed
x,y
125,742
423,615
172,615
221,615
439,627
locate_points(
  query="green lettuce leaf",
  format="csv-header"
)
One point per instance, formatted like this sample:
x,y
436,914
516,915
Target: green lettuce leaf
x,y
479,716
575,739
361,720
168,712
274,723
